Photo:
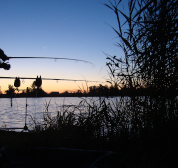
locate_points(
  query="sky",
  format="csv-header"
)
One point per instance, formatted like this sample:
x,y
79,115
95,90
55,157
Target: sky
x,y
77,29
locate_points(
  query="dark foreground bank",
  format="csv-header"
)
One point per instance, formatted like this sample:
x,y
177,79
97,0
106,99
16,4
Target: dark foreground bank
x,y
62,157
26,150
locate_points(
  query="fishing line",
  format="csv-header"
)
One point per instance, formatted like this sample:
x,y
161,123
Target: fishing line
x,y
35,104
16,102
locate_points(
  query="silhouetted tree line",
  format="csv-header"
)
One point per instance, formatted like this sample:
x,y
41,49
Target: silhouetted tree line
x,y
32,91
95,91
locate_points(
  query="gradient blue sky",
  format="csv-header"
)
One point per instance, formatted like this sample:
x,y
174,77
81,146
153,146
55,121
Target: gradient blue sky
x,y
57,28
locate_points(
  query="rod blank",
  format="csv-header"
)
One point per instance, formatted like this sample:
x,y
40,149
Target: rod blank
x,y
55,58
57,79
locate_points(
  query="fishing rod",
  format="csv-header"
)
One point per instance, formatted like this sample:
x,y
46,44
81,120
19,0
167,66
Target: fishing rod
x,y
7,66
55,58
57,79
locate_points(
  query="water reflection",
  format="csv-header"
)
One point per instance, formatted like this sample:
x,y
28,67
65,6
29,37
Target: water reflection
x,y
15,116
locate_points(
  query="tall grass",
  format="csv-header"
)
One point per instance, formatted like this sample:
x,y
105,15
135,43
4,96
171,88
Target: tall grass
x,y
116,121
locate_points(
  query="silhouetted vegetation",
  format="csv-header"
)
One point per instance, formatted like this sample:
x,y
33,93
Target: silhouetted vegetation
x,y
10,91
94,91
148,38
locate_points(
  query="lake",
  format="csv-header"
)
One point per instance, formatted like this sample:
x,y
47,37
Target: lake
x,y
12,117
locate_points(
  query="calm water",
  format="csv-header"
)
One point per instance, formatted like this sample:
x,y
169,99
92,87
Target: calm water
x,y
11,117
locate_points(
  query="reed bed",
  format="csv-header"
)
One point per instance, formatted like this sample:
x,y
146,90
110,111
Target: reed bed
x,y
114,122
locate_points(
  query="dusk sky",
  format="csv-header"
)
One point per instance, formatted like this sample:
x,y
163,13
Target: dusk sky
x,y
78,29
